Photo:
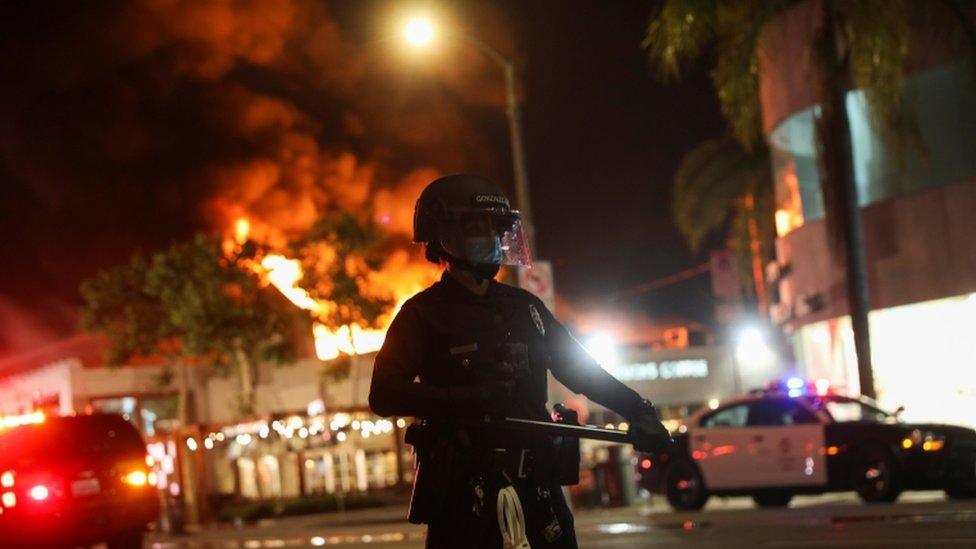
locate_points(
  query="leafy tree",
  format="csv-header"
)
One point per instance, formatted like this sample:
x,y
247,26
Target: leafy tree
x,y
189,304
338,254
116,302
720,185
859,44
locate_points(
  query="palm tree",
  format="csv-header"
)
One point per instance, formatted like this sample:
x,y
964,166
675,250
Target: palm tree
x,y
720,185
858,44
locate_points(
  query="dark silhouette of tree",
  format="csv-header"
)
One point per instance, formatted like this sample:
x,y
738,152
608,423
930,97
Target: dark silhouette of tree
x,y
190,304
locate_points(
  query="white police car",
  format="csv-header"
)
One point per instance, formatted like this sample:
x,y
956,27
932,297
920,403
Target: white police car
x,y
799,438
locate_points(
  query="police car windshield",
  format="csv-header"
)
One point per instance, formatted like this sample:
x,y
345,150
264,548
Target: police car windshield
x,y
844,410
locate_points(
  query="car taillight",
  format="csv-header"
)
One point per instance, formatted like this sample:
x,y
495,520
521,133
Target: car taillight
x,y
8,498
39,492
136,478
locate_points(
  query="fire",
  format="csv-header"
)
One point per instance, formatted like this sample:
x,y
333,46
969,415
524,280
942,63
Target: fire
x,y
242,228
400,275
329,344
284,274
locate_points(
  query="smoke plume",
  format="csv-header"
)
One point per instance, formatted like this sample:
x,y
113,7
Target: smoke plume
x,y
129,124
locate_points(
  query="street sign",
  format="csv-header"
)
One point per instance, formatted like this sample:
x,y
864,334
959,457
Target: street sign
x,y
726,283
538,280
726,286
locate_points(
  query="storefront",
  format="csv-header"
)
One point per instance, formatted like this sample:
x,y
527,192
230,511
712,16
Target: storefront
x,y
332,444
295,455
924,357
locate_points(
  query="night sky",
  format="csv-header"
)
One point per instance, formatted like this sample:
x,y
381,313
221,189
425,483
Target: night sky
x,y
125,126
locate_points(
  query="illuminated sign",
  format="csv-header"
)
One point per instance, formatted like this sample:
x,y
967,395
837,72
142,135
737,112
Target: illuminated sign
x,y
666,369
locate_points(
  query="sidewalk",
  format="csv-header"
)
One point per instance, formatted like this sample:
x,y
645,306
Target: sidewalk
x,y
394,514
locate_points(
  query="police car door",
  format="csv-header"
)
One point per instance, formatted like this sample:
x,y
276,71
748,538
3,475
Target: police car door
x,y
790,452
722,446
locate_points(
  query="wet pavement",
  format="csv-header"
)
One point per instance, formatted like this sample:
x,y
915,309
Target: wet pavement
x,y
918,520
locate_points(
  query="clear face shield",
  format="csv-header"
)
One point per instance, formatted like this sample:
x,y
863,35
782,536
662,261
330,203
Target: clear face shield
x,y
486,237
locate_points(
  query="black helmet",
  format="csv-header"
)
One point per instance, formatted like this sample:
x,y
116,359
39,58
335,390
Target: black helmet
x,y
447,201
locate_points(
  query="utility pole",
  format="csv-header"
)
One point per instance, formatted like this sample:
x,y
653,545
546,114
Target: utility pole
x,y
514,113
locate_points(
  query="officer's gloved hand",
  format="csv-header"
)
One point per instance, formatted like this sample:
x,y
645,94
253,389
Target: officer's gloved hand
x,y
647,432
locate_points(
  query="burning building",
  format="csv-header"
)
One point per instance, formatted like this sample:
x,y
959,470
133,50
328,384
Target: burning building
x,y
137,125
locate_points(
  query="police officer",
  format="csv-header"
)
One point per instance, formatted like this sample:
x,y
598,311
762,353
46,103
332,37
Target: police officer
x,y
469,347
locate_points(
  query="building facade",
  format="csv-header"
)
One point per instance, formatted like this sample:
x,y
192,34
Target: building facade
x,y
308,434
916,206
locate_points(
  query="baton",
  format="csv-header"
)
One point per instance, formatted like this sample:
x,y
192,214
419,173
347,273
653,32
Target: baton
x,y
554,429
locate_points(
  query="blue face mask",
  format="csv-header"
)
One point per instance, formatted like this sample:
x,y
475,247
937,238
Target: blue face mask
x,y
483,250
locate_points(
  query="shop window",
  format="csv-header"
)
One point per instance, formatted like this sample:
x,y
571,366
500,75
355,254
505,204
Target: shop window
x,y
922,357
151,415
796,176
159,414
248,478
381,468
269,476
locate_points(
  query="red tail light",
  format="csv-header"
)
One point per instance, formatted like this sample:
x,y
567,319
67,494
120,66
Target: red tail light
x,y
8,498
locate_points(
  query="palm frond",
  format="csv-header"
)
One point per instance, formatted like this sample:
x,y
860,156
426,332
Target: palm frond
x,y
679,33
877,34
710,182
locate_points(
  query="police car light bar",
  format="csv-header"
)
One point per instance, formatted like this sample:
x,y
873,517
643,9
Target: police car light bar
x,y
796,386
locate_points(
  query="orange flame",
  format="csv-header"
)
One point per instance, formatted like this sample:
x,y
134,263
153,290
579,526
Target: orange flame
x,y
400,275
242,228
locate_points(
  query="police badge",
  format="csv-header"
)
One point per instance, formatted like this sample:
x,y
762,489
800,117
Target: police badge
x,y
537,318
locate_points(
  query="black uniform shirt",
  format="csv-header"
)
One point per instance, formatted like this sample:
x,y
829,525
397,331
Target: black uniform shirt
x,y
447,337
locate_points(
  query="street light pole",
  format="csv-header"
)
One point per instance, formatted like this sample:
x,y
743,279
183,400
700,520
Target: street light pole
x,y
515,132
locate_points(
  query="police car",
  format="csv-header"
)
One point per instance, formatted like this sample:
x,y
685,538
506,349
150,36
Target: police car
x,y
800,438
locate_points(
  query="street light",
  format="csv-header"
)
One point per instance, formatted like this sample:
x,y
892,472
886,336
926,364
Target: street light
x,y
420,32
603,349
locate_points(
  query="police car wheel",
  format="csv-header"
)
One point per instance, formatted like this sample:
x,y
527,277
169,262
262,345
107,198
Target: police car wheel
x,y
684,486
777,498
875,475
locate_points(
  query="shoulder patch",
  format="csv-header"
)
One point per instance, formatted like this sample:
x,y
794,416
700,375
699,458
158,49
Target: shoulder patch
x,y
537,319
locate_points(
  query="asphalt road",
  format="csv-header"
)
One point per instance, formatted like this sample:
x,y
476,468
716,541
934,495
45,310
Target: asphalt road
x,y
917,520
